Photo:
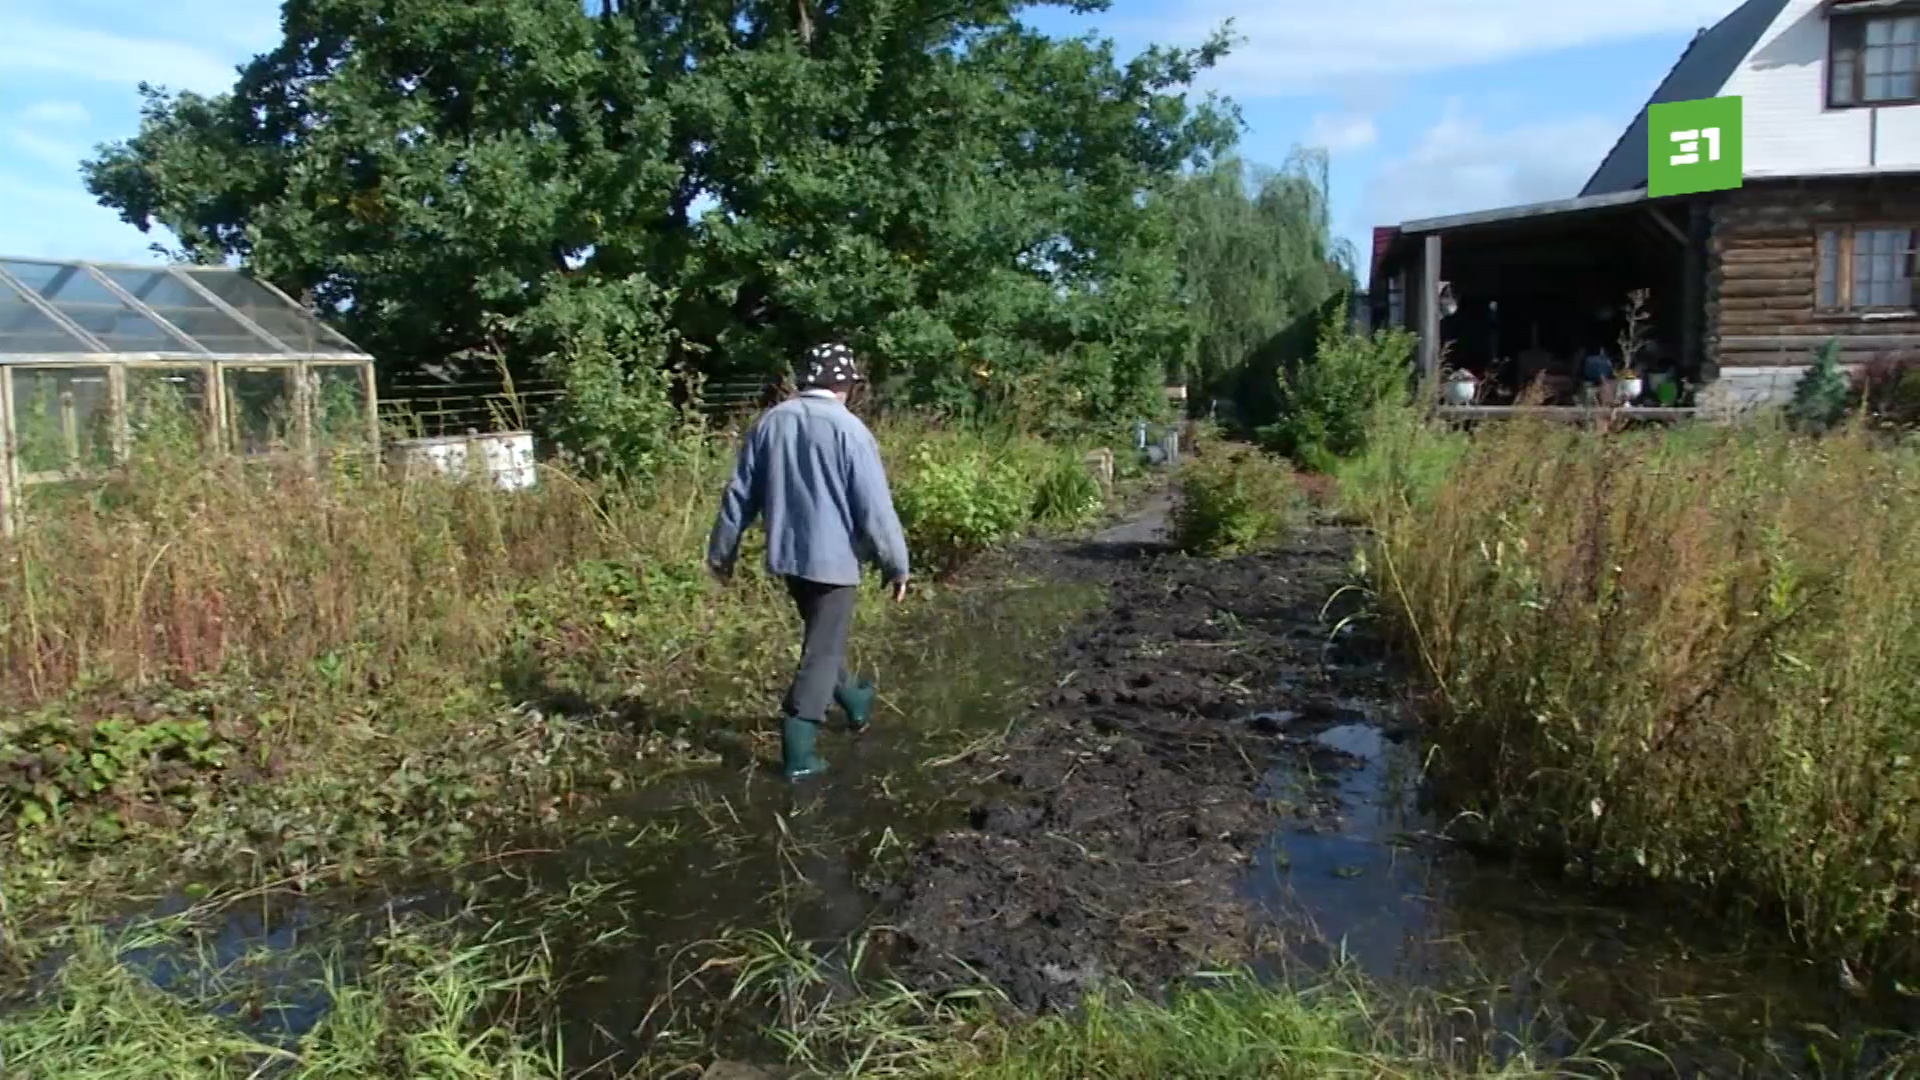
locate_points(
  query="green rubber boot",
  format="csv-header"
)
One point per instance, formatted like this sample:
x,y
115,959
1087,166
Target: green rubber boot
x,y
797,759
856,700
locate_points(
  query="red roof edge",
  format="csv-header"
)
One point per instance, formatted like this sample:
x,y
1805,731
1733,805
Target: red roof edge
x,y
1383,237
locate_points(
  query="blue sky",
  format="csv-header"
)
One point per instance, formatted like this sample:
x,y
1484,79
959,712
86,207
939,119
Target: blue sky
x,y
1426,106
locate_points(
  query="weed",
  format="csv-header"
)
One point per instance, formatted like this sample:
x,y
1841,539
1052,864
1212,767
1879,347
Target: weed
x,y
1067,495
955,502
1680,659
1326,401
1232,502
357,669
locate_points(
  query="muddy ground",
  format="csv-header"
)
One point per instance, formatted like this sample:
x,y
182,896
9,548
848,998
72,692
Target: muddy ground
x,y
1120,819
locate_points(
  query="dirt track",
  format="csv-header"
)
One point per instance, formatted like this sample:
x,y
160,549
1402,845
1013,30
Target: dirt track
x,y
1120,819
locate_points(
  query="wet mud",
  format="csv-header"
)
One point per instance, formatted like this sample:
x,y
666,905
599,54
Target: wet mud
x,y
1115,838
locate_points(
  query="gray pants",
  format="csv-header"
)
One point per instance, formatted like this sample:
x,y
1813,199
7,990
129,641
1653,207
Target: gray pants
x,y
826,613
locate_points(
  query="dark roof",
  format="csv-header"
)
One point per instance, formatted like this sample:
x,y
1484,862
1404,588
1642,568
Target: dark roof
x,y
1701,72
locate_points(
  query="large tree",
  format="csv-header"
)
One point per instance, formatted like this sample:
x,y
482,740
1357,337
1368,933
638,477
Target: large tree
x,y
1257,255
973,201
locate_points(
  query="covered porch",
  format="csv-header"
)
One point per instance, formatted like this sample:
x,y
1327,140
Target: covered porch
x,y
1533,301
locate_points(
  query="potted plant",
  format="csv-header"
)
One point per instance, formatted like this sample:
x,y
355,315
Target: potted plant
x,y
1627,384
1458,386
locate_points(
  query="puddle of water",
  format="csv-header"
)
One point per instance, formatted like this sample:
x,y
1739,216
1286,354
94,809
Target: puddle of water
x,y
1386,897
686,857
808,854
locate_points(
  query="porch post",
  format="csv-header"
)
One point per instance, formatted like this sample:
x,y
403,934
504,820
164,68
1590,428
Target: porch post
x,y
1693,288
1429,294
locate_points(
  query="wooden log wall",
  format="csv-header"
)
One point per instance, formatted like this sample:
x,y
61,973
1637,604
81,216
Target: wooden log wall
x,y
1764,265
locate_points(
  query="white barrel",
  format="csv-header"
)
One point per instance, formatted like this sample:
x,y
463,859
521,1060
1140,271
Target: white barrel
x,y
507,458
446,456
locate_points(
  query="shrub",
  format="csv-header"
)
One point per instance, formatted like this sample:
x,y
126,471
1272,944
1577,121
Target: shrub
x,y
1230,503
956,501
1068,495
1326,402
606,345
1407,459
1682,658
1890,388
1820,397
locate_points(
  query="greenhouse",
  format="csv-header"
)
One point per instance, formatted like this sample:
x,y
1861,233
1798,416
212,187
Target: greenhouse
x,y
99,357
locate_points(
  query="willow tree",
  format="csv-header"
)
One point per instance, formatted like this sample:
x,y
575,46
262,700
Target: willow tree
x,y
1257,255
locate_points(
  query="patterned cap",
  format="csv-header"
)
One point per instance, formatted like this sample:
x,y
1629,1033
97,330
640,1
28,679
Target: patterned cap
x,y
828,365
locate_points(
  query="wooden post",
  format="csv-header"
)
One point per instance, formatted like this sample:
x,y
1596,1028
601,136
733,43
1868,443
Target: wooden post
x,y
122,428
225,441
1429,299
1693,289
304,400
371,385
70,429
9,466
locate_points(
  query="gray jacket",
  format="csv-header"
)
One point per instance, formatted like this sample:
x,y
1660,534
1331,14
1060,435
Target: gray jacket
x,y
813,469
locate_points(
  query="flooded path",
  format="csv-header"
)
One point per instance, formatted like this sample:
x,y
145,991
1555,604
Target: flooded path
x,y
1217,769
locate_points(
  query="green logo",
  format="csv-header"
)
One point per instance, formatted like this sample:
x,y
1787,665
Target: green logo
x,y
1693,146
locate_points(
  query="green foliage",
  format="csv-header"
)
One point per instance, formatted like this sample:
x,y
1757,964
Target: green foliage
x,y
1068,495
1821,396
1327,401
50,761
953,191
1257,252
1232,502
1407,459
956,502
606,344
1890,389
1681,658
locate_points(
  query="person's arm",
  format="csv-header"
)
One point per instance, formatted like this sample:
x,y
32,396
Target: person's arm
x,y
739,505
873,509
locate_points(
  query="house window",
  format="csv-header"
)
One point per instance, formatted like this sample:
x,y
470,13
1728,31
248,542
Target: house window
x,y
1873,60
1868,268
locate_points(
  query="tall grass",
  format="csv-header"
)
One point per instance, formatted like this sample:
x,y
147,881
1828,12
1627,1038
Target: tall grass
x,y
339,661
1685,658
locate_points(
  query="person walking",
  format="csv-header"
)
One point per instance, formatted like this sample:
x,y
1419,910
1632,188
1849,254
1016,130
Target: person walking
x,y
813,471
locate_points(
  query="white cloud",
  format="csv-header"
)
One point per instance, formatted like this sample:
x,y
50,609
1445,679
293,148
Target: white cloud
x,y
59,154
64,222
1458,166
1294,46
57,114
1342,132
33,47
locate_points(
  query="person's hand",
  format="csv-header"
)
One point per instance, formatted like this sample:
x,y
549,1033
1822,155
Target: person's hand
x,y
898,589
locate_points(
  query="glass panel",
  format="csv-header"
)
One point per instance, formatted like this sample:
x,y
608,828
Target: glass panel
x,y
168,409
339,407
94,308
1892,60
1829,268
1843,69
194,314
26,329
299,330
62,418
1880,269
260,417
